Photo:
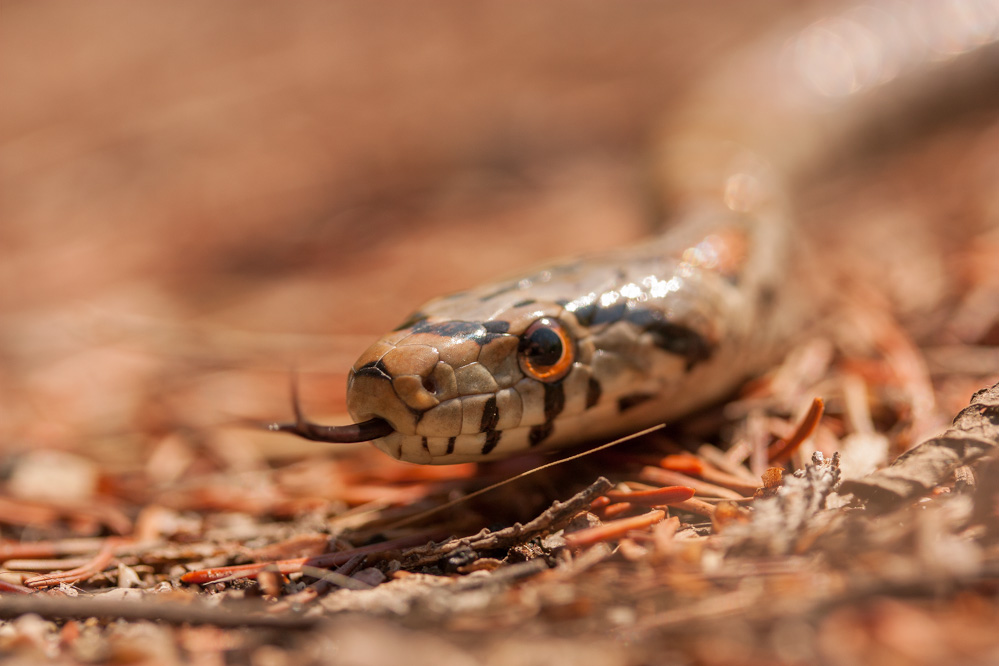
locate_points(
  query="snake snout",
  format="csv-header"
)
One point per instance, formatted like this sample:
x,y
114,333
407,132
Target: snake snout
x,y
395,383
424,379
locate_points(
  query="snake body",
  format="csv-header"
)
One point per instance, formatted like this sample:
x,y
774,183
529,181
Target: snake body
x,y
606,345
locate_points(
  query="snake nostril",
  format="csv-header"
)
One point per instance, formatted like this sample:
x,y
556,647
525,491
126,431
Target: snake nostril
x,y
430,385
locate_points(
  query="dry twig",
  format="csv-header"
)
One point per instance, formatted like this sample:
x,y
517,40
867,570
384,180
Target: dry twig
x,y
552,519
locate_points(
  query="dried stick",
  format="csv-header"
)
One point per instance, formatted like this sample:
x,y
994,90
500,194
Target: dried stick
x,y
223,574
550,520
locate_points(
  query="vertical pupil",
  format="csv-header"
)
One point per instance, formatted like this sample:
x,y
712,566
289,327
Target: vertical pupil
x,y
543,347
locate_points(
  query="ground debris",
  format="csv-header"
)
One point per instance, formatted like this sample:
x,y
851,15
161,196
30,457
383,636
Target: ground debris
x,y
182,226
551,520
780,523
974,434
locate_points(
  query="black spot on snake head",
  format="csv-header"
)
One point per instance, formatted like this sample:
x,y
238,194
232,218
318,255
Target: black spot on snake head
x,y
673,337
457,330
593,391
373,369
539,433
554,401
450,329
497,327
492,439
490,415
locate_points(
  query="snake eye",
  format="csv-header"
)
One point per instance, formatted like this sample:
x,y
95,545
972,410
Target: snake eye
x,y
546,351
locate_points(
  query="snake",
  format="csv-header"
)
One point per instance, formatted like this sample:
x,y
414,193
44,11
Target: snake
x,y
604,345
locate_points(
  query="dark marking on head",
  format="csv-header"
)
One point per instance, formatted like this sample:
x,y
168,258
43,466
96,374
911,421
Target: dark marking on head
x,y
561,302
610,314
460,330
672,337
584,313
593,392
496,327
592,314
451,329
450,445
524,303
373,369
627,402
554,401
411,320
539,433
426,445
490,415
492,439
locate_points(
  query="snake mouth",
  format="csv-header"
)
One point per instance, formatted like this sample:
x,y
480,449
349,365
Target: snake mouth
x,y
364,431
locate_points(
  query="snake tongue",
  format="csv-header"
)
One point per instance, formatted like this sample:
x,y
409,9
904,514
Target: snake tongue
x,y
346,434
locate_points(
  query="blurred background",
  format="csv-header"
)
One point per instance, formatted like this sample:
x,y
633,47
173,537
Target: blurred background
x,y
196,197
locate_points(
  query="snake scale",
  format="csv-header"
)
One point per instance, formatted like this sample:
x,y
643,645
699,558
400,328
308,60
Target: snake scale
x,y
606,345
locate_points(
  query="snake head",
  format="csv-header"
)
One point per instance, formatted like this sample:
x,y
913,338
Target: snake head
x,y
415,378
438,390
514,367
456,390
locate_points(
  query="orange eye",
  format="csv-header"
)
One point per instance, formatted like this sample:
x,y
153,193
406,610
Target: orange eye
x,y
546,351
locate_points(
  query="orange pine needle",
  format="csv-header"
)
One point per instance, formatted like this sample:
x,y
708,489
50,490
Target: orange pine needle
x,y
684,463
615,510
599,503
657,497
101,561
782,450
665,477
13,588
613,529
